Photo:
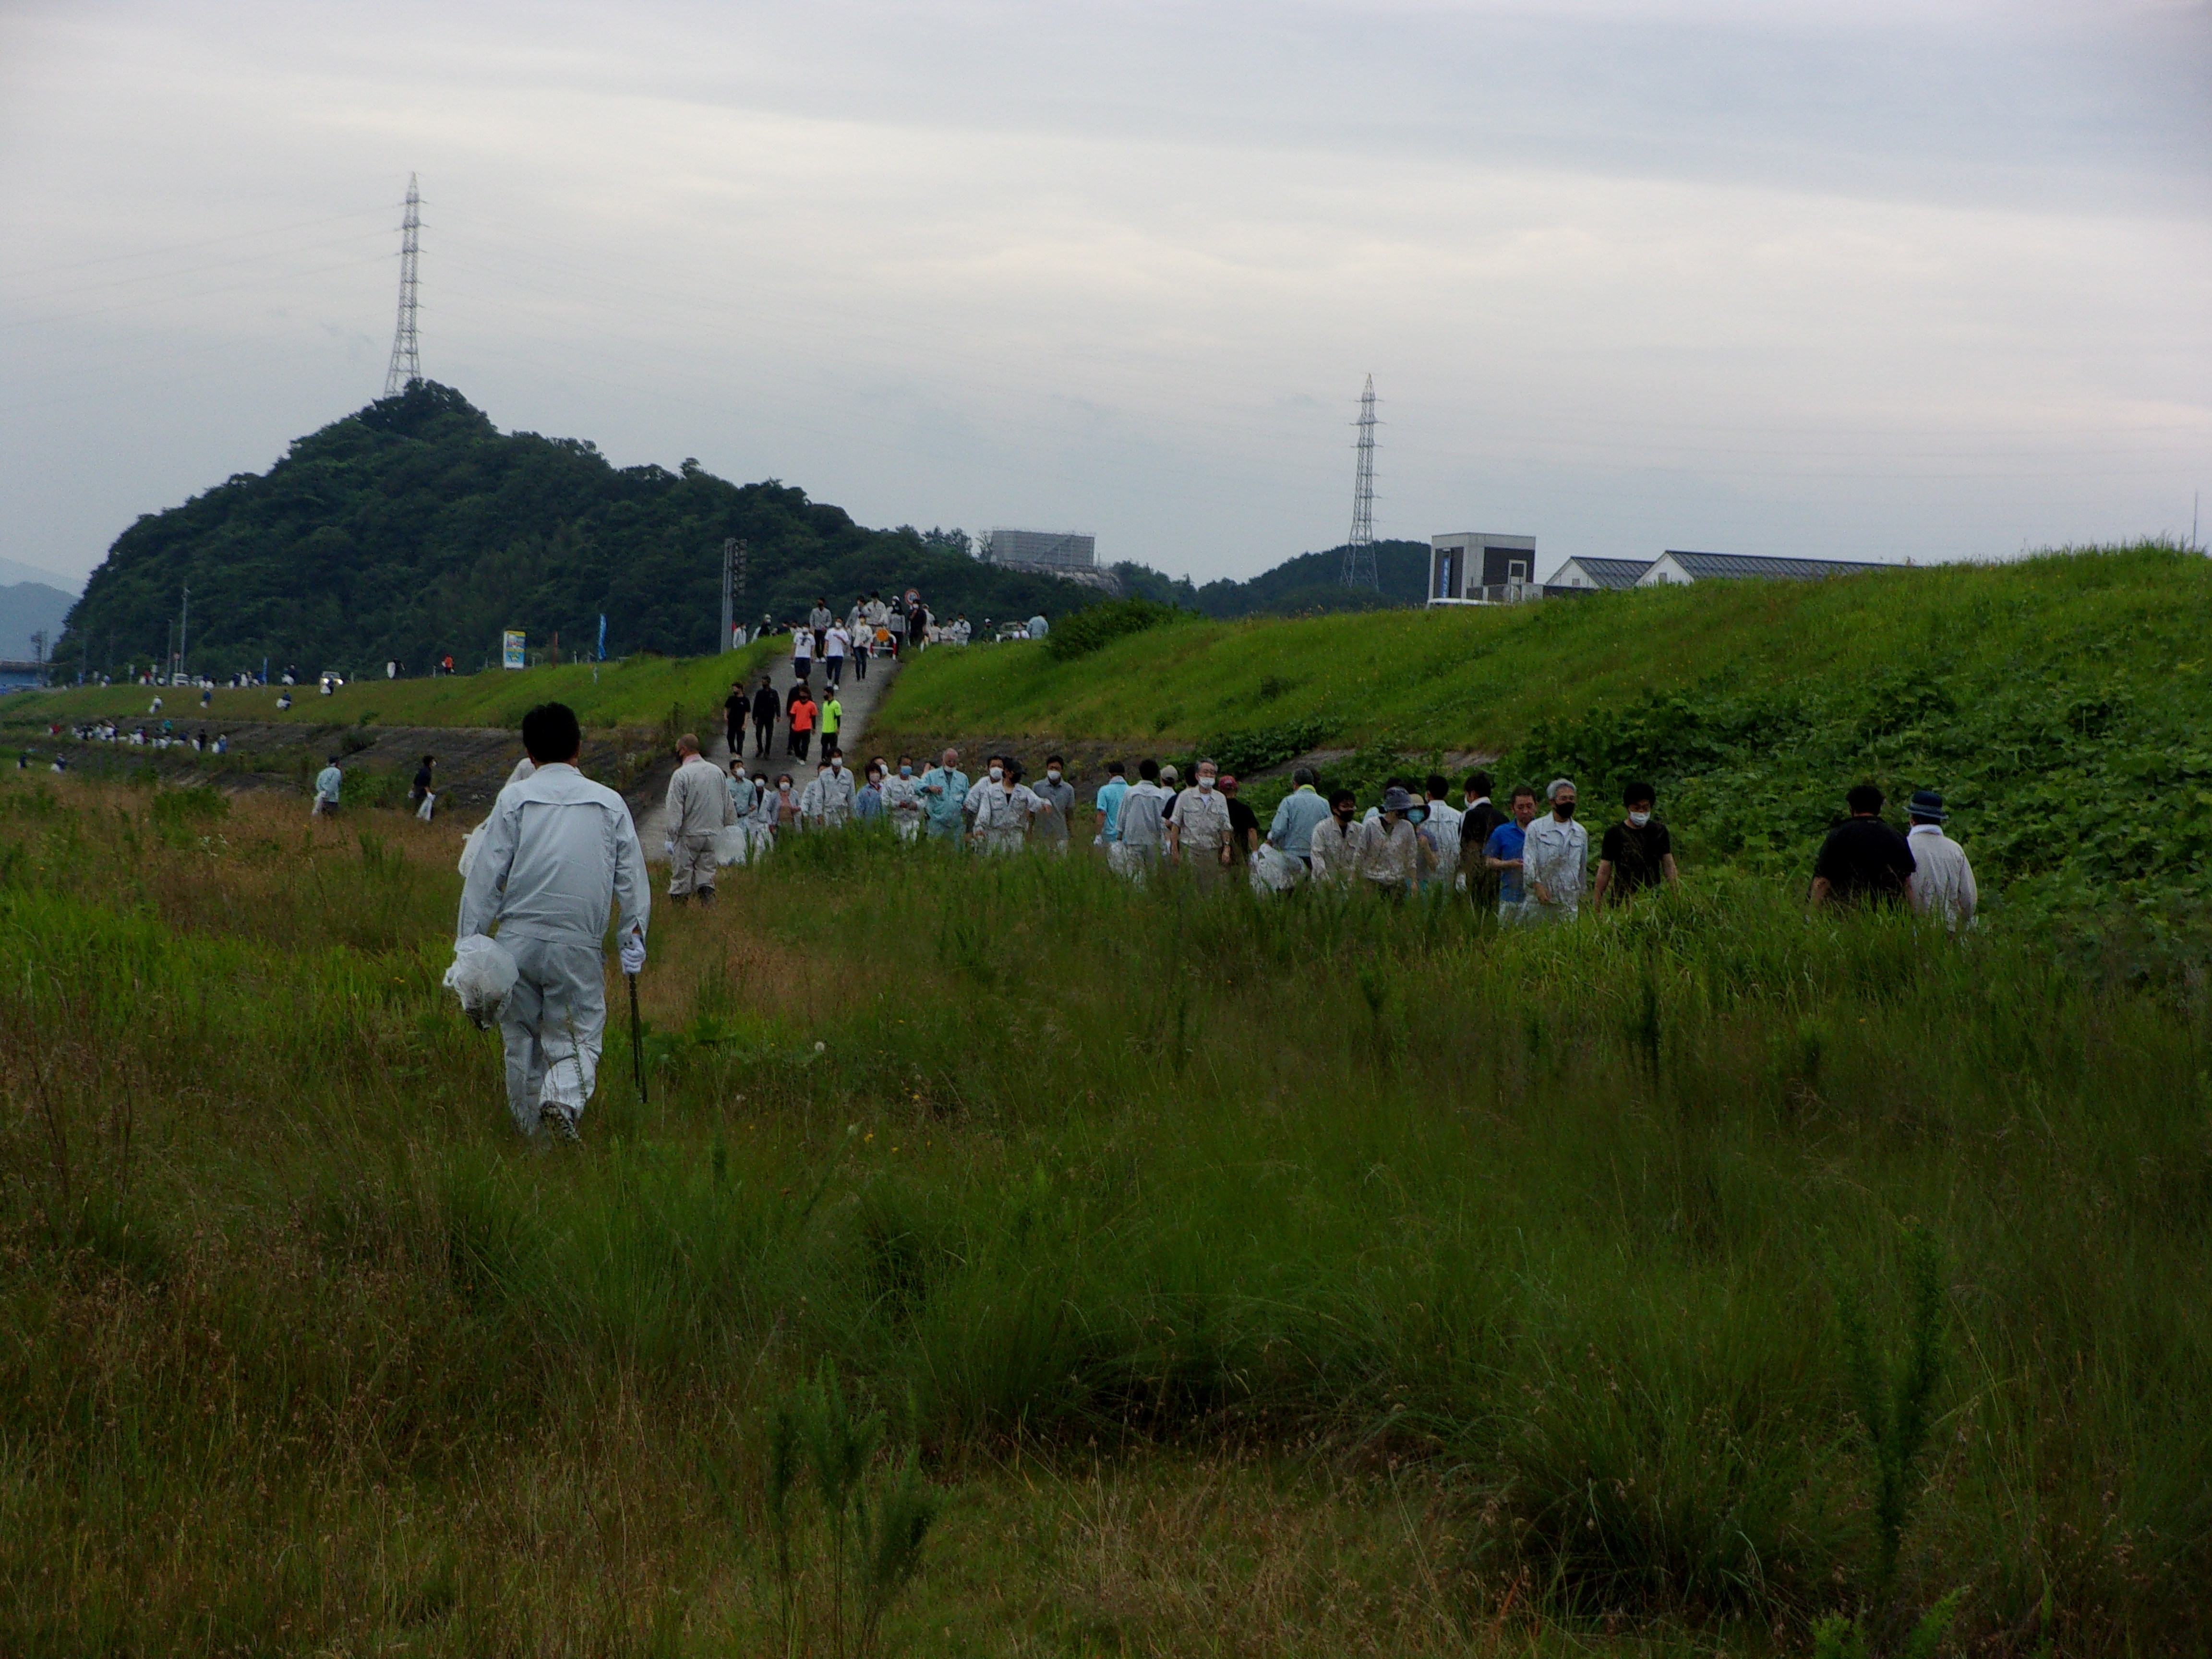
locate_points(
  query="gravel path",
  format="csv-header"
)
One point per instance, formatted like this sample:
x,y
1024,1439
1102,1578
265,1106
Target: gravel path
x,y
858,696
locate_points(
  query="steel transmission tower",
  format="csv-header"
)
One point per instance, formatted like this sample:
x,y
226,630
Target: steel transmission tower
x,y
1359,553
406,353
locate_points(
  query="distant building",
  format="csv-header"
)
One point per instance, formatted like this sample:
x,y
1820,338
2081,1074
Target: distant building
x,y
1587,575
1476,567
1052,550
1678,567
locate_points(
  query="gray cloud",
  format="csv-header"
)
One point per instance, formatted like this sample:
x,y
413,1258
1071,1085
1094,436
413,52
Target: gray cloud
x,y
1918,280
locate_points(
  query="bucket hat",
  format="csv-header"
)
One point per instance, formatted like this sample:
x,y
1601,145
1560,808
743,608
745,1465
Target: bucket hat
x,y
1927,803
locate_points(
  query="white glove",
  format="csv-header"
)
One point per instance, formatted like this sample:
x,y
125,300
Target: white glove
x,y
668,849
632,951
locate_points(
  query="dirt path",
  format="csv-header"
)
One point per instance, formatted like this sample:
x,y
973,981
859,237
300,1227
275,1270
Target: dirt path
x,y
859,697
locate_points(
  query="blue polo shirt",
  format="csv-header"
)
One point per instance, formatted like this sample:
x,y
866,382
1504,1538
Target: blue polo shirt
x,y
1110,803
1505,842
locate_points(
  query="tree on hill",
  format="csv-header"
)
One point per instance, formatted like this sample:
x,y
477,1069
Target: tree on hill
x,y
1298,586
415,528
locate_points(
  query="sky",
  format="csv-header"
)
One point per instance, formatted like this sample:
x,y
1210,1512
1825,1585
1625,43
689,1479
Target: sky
x,y
1928,281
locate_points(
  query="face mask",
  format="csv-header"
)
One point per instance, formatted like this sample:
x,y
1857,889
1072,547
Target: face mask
x,y
1639,819
996,774
1053,772
906,771
1566,809
1206,783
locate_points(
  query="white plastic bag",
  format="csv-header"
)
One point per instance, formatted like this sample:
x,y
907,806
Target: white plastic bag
x,y
422,812
1274,872
733,844
483,975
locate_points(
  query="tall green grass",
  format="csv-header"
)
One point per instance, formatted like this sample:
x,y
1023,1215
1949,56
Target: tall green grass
x,y
1551,1218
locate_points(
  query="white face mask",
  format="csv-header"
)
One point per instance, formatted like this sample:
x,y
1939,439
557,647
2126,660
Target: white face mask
x,y
1204,782
997,773
1639,819
1053,772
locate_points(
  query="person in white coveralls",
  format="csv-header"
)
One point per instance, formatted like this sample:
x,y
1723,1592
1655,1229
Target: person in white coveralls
x,y
556,846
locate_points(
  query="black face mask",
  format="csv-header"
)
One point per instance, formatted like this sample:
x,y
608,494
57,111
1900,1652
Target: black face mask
x,y
1566,809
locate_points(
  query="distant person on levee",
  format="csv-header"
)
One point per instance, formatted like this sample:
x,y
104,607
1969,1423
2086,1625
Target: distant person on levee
x,y
697,809
556,846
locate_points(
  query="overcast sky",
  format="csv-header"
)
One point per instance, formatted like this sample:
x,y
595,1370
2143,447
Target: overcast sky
x,y
1875,280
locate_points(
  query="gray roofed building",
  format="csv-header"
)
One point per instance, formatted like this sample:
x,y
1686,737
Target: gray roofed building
x,y
1581,574
1675,566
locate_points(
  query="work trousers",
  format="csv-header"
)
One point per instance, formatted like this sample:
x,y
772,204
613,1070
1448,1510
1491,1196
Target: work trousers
x,y
691,870
553,1025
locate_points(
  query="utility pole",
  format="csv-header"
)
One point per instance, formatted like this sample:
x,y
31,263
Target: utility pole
x,y
406,353
1359,552
733,589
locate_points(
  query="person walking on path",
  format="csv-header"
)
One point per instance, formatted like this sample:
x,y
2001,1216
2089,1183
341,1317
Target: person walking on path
x,y
868,806
837,644
831,717
944,791
766,707
1555,859
1332,847
818,623
698,805
1502,854
823,803
1636,854
1296,816
1475,823
1108,805
1198,826
803,713
735,708
1942,878
903,799
1392,857
1863,860
1059,797
864,638
556,848
802,654
330,783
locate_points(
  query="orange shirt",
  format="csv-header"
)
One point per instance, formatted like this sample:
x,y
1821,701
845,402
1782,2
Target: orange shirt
x,y
802,714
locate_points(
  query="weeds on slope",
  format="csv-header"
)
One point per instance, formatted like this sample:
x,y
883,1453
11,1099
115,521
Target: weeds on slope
x,y
1549,1219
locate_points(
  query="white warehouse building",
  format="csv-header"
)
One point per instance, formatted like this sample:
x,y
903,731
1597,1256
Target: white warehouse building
x,y
1046,549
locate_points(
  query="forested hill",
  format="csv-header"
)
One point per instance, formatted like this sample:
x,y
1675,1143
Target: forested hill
x,y
415,528
1308,585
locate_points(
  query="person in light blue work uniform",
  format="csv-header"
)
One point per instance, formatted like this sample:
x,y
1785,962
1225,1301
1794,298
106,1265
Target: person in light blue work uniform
x,y
1296,819
944,792
1108,805
329,783
555,849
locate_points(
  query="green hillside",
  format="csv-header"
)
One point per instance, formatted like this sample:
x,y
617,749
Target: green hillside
x,y
2060,701
1308,585
415,528
634,691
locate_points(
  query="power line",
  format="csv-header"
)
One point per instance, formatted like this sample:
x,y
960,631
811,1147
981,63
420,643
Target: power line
x,y
1359,552
406,351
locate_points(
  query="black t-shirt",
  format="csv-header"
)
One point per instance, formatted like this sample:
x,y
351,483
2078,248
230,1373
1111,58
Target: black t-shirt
x,y
1242,818
1635,856
765,706
734,706
422,780
1865,859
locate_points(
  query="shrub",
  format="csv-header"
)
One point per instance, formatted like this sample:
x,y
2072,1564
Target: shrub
x,y
1088,629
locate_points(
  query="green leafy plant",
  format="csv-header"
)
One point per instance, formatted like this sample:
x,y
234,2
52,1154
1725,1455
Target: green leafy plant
x,y
1098,625
870,1528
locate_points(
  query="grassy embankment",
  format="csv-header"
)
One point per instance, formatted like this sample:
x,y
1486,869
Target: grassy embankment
x,y
1254,1279
635,691
2059,703
1481,679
